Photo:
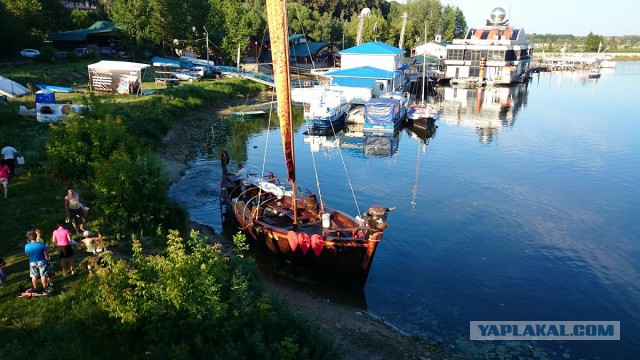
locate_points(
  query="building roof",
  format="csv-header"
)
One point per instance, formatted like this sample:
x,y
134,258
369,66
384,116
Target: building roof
x,y
421,59
366,72
306,49
354,82
373,48
81,35
118,65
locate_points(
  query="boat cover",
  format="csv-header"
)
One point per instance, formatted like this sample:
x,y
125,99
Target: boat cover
x,y
381,111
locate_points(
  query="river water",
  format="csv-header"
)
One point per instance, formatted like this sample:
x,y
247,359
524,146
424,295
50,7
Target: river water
x,y
524,205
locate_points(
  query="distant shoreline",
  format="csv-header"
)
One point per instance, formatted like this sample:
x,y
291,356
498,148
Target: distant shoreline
x,y
618,56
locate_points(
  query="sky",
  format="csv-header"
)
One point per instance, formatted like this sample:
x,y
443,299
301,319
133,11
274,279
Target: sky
x,y
576,17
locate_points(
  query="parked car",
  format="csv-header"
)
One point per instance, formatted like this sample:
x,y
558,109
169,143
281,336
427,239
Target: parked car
x,y
30,53
81,52
107,52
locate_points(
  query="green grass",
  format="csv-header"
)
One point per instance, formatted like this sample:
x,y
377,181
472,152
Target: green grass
x,y
70,324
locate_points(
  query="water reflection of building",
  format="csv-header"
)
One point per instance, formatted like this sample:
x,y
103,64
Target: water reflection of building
x,y
351,139
487,110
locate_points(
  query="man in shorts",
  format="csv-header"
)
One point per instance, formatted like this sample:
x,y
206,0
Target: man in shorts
x,y
38,258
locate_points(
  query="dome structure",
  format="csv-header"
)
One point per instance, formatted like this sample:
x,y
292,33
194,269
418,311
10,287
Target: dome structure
x,y
365,12
498,15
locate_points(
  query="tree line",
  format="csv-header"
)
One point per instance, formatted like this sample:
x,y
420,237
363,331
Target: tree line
x,y
156,24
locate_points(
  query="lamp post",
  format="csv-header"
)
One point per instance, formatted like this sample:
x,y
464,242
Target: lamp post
x,y
207,46
257,55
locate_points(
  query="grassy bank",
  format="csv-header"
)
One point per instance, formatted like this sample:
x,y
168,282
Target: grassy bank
x,y
183,299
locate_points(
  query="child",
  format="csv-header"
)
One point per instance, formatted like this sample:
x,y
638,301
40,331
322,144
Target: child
x,y
39,235
91,243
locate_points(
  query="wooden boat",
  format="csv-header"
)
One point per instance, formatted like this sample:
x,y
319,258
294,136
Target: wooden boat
x,y
257,114
291,221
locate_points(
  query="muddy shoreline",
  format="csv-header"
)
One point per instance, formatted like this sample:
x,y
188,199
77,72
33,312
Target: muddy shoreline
x,y
360,335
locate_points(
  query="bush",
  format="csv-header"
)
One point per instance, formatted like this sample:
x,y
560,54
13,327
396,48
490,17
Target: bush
x,y
195,302
131,193
47,54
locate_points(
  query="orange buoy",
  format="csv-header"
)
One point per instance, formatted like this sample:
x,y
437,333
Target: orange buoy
x,y
293,240
305,242
317,244
224,157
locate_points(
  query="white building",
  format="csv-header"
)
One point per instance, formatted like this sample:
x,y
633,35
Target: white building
x,y
493,54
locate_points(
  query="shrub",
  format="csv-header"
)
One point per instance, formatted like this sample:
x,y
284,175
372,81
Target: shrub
x,y
131,193
195,302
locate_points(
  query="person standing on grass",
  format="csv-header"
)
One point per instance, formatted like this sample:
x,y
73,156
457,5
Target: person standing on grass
x,y
9,154
73,208
62,238
38,258
5,174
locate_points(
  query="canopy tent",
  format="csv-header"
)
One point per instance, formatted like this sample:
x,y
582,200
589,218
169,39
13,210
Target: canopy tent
x,y
121,77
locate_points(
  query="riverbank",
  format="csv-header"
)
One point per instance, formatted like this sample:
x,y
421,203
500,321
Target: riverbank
x,y
359,334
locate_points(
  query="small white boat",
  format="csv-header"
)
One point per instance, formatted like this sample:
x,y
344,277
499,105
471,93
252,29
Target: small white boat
x,y
422,110
594,73
356,114
326,111
11,88
185,75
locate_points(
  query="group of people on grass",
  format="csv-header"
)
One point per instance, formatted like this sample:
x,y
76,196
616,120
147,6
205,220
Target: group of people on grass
x,y
40,269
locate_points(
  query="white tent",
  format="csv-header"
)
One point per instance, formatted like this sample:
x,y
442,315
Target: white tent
x,y
122,77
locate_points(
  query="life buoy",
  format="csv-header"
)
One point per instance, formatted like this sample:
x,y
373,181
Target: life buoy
x,y
224,157
307,84
317,243
304,242
306,106
292,237
65,109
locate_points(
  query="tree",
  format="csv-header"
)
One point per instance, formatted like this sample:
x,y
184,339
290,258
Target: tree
x,y
593,42
134,16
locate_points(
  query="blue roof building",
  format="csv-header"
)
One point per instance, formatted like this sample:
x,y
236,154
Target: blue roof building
x,y
375,65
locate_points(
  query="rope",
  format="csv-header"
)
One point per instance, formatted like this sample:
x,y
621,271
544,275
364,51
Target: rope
x,y
344,165
266,146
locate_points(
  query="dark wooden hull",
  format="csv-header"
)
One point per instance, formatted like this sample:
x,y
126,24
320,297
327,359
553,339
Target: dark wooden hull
x,y
347,251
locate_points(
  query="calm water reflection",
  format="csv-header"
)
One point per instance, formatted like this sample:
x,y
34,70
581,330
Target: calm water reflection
x,y
523,207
